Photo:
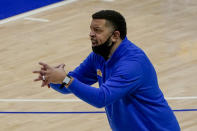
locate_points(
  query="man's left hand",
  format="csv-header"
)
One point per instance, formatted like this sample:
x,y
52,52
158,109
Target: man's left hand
x,y
49,74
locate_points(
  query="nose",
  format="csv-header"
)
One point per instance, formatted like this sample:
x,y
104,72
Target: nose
x,y
92,34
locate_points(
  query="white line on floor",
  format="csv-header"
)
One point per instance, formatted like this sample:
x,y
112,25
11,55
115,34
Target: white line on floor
x,y
108,0
36,19
78,100
40,100
14,18
181,98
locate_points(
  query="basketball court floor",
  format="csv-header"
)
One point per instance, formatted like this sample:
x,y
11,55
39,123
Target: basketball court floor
x,y
165,29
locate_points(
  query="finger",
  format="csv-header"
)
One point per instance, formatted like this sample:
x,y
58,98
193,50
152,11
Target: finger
x,y
57,66
38,79
47,80
41,72
46,83
43,83
37,71
44,65
62,65
42,68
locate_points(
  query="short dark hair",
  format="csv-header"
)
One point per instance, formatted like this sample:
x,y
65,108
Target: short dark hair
x,y
115,18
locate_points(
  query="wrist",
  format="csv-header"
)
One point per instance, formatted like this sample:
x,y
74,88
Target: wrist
x,y
70,82
62,78
66,81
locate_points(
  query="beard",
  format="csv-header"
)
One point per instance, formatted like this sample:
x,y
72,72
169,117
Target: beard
x,y
103,49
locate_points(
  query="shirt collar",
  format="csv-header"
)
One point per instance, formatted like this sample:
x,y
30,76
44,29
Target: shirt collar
x,y
120,50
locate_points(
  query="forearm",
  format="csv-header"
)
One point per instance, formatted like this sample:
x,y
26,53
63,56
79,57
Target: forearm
x,y
91,95
89,80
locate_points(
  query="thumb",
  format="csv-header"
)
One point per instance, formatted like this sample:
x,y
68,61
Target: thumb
x,y
62,66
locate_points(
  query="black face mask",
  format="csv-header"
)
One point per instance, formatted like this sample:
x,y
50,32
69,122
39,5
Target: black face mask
x,y
103,49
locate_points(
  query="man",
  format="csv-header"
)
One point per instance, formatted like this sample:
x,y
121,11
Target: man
x,y
128,84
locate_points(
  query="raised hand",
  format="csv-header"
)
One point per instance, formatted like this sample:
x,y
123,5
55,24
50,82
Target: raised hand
x,y
49,74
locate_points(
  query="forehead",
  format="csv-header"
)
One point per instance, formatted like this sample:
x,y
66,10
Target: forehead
x,y
98,23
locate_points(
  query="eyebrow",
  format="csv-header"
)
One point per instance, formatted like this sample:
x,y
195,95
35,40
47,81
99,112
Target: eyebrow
x,y
95,27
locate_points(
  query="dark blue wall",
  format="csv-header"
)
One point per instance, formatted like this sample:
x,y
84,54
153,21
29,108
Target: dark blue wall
x,y
10,8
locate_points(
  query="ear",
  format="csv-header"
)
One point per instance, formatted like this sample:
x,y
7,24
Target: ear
x,y
116,36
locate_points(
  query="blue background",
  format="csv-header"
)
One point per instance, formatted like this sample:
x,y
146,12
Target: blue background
x,y
10,8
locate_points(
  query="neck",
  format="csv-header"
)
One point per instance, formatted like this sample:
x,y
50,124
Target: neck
x,y
115,46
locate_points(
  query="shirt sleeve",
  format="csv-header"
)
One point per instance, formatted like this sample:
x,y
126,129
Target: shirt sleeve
x,y
86,72
124,80
61,90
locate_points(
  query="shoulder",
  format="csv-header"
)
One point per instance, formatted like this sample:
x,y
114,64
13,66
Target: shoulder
x,y
128,69
94,57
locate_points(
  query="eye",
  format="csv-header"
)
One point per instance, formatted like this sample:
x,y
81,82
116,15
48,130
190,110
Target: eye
x,y
97,30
